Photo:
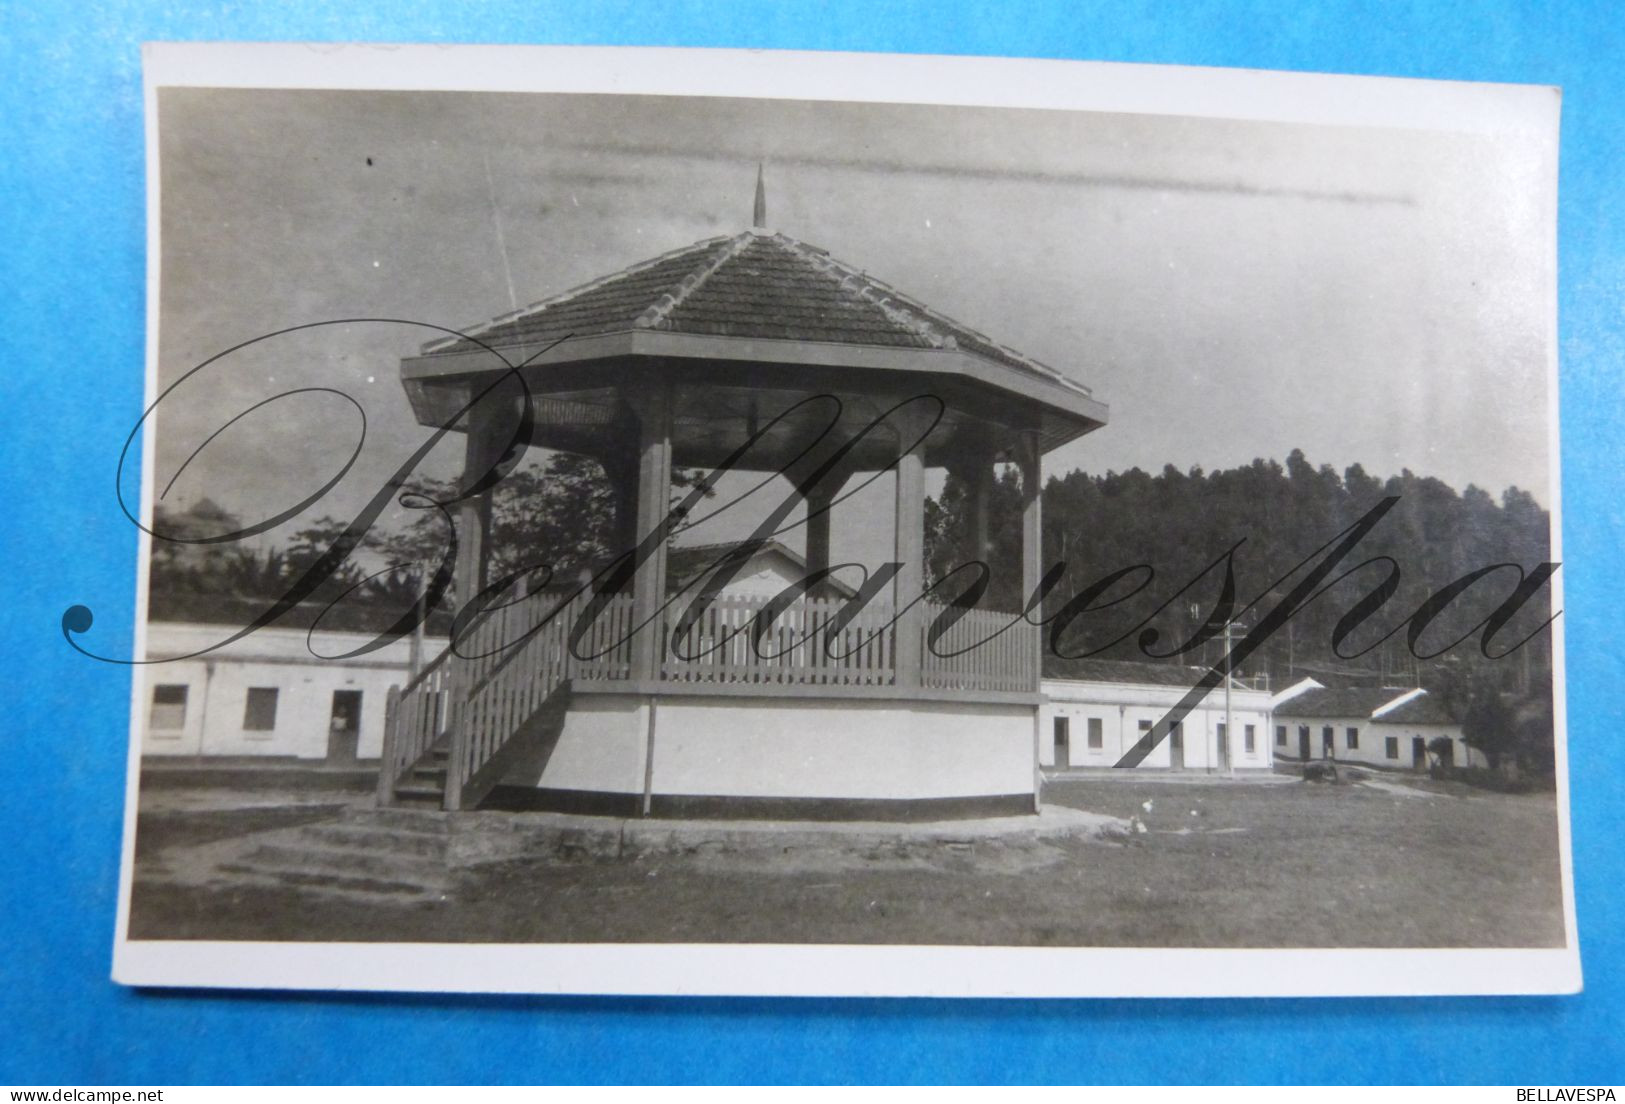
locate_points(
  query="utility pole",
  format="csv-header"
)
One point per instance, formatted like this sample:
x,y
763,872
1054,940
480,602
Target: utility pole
x,y
1229,713
414,662
1229,716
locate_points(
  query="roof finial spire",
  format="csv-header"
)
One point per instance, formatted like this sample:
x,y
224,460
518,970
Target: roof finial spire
x,y
759,220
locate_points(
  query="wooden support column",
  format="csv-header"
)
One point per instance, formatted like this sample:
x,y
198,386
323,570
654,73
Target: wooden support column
x,y
481,451
974,468
909,545
1032,532
621,470
474,513
818,502
653,405
981,496
1030,461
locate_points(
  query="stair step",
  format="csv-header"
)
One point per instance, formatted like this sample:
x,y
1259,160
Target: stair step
x,y
425,781
413,821
419,801
371,887
379,839
414,789
298,858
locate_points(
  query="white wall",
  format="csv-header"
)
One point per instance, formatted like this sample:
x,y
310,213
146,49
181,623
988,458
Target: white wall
x,y
765,575
217,686
1122,707
1373,737
601,748
809,747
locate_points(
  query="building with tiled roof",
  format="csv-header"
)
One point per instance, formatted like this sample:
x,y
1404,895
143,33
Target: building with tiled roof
x,y
1097,710
766,300
751,285
752,352
1327,701
768,571
303,690
1380,726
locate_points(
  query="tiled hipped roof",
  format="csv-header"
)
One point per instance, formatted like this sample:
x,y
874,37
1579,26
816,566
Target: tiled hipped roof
x,y
1128,671
749,285
1363,701
1420,710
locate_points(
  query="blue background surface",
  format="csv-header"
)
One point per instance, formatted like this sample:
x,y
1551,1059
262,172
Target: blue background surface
x,y
72,240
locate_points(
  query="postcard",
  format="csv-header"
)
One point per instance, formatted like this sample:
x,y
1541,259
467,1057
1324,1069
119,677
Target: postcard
x,y
723,522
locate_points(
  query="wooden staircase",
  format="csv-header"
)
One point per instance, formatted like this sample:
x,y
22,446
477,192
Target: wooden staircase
x,y
496,699
424,785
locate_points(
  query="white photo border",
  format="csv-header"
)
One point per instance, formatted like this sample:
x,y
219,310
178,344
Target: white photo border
x,y
1527,112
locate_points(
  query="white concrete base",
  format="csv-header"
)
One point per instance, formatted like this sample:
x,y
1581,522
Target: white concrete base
x,y
734,747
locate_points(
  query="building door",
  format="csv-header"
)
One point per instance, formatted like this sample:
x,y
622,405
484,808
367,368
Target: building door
x,y
1063,741
344,727
1419,753
1303,742
1176,747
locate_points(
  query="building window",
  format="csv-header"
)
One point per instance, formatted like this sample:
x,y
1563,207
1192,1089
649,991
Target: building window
x,y
1249,739
1063,729
1352,737
1280,735
1224,741
168,708
1326,740
1145,734
1391,747
1097,734
260,713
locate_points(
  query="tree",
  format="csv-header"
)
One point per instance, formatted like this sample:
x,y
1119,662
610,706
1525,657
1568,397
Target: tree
x,y
1441,748
1488,724
313,542
559,516
556,515
1178,522
948,541
552,520
1537,750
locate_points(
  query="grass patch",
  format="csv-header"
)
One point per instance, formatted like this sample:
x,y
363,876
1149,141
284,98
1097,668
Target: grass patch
x,y
1218,866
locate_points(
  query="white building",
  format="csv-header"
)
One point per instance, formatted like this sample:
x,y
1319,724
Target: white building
x,y
770,569
270,695
267,696
1379,726
1095,717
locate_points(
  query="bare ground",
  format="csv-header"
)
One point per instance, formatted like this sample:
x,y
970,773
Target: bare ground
x,y
1216,865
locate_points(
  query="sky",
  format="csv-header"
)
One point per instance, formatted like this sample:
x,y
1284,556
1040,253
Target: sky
x,y
1231,289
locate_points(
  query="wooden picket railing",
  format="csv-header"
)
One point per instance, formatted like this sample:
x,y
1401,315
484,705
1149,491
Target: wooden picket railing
x,y
470,703
981,650
503,668
515,659
415,719
805,644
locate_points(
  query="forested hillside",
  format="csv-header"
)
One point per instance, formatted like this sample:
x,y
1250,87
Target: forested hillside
x,y
1276,517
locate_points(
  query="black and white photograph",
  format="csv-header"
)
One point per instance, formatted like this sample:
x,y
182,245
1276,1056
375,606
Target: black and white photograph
x,y
644,524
